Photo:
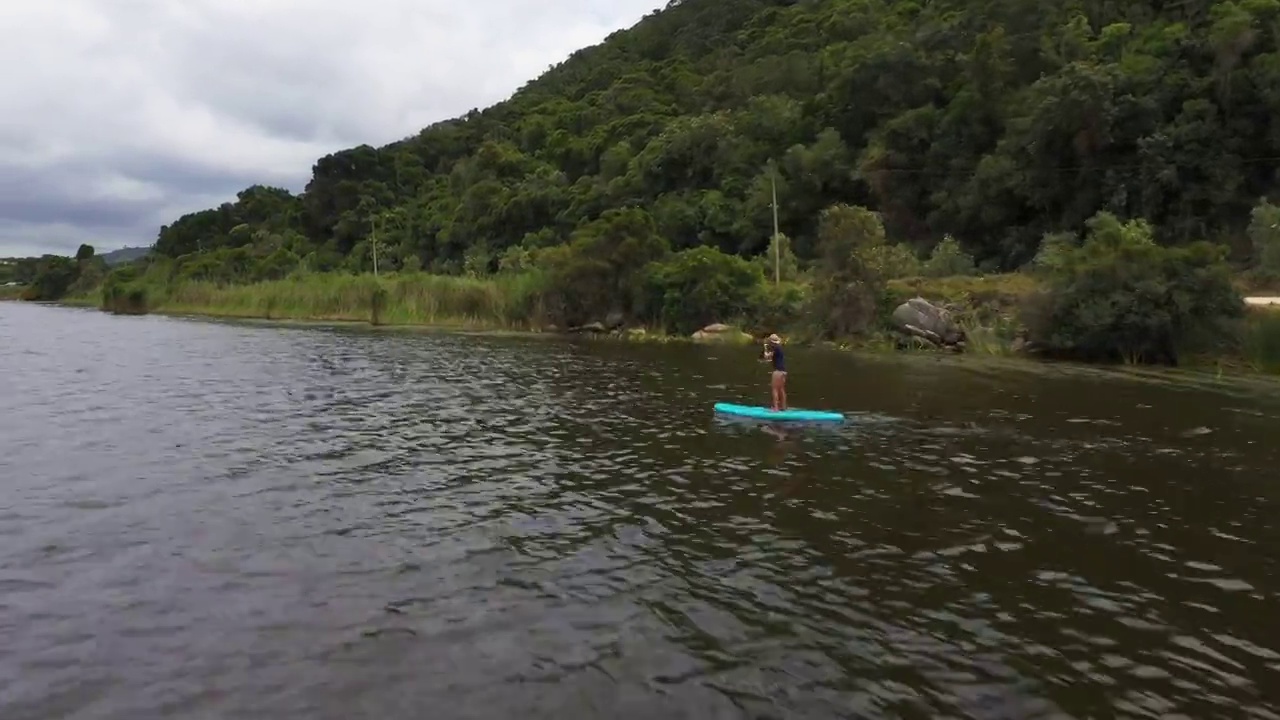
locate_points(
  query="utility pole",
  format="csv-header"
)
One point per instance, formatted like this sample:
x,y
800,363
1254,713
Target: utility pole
x,y
374,240
777,249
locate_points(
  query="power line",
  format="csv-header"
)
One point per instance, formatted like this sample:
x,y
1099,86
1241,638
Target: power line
x,y
955,172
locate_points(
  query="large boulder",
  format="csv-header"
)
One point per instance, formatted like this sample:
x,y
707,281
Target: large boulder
x,y
594,328
920,318
721,333
613,323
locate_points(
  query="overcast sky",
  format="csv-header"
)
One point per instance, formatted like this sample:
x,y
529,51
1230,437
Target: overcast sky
x,y
117,116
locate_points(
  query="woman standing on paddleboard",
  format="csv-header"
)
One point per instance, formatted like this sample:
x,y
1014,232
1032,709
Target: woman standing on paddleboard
x,y
773,352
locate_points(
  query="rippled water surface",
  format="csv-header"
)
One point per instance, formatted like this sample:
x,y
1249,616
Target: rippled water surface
x,y
209,520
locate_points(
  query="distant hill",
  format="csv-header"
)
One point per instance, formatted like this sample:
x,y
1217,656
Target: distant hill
x,y
994,122
124,255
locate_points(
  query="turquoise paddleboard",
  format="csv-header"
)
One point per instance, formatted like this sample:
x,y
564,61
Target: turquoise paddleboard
x,y
764,413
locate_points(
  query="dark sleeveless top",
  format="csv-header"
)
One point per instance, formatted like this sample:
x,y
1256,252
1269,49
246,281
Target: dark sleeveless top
x,y
779,361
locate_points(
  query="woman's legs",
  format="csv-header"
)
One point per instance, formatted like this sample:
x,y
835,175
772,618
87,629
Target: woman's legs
x,y
779,390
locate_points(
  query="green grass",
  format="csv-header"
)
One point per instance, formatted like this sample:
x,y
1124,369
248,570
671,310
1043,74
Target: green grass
x,y
92,299
505,302
12,292
1261,339
1256,281
995,338
985,298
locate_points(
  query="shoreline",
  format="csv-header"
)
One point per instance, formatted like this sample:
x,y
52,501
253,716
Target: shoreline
x,y
1217,372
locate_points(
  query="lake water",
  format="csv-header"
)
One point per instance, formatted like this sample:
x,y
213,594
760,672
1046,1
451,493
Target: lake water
x,y
216,520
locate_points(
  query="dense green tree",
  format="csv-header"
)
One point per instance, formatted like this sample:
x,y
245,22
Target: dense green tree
x,y
699,286
1120,296
847,286
54,275
602,270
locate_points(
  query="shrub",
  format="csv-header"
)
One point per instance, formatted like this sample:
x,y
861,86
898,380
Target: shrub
x,y
776,308
1264,233
892,261
779,253
1054,249
54,275
124,291
1122,297
278,265
846,287
1260,340
949,260
699,286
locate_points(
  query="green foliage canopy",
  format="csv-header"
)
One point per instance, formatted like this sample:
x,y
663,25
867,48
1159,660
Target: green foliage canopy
x,y
1120,296
993,123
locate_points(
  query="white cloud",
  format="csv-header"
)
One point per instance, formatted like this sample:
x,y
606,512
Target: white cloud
x,y
119,115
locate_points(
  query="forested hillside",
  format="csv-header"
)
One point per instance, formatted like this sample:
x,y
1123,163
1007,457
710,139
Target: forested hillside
x,y
1105,159
124,255
995,121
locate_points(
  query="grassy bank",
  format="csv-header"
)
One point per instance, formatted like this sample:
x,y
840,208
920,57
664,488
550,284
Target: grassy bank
x,y
986,307
500,303
512,301
90,300
11,292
